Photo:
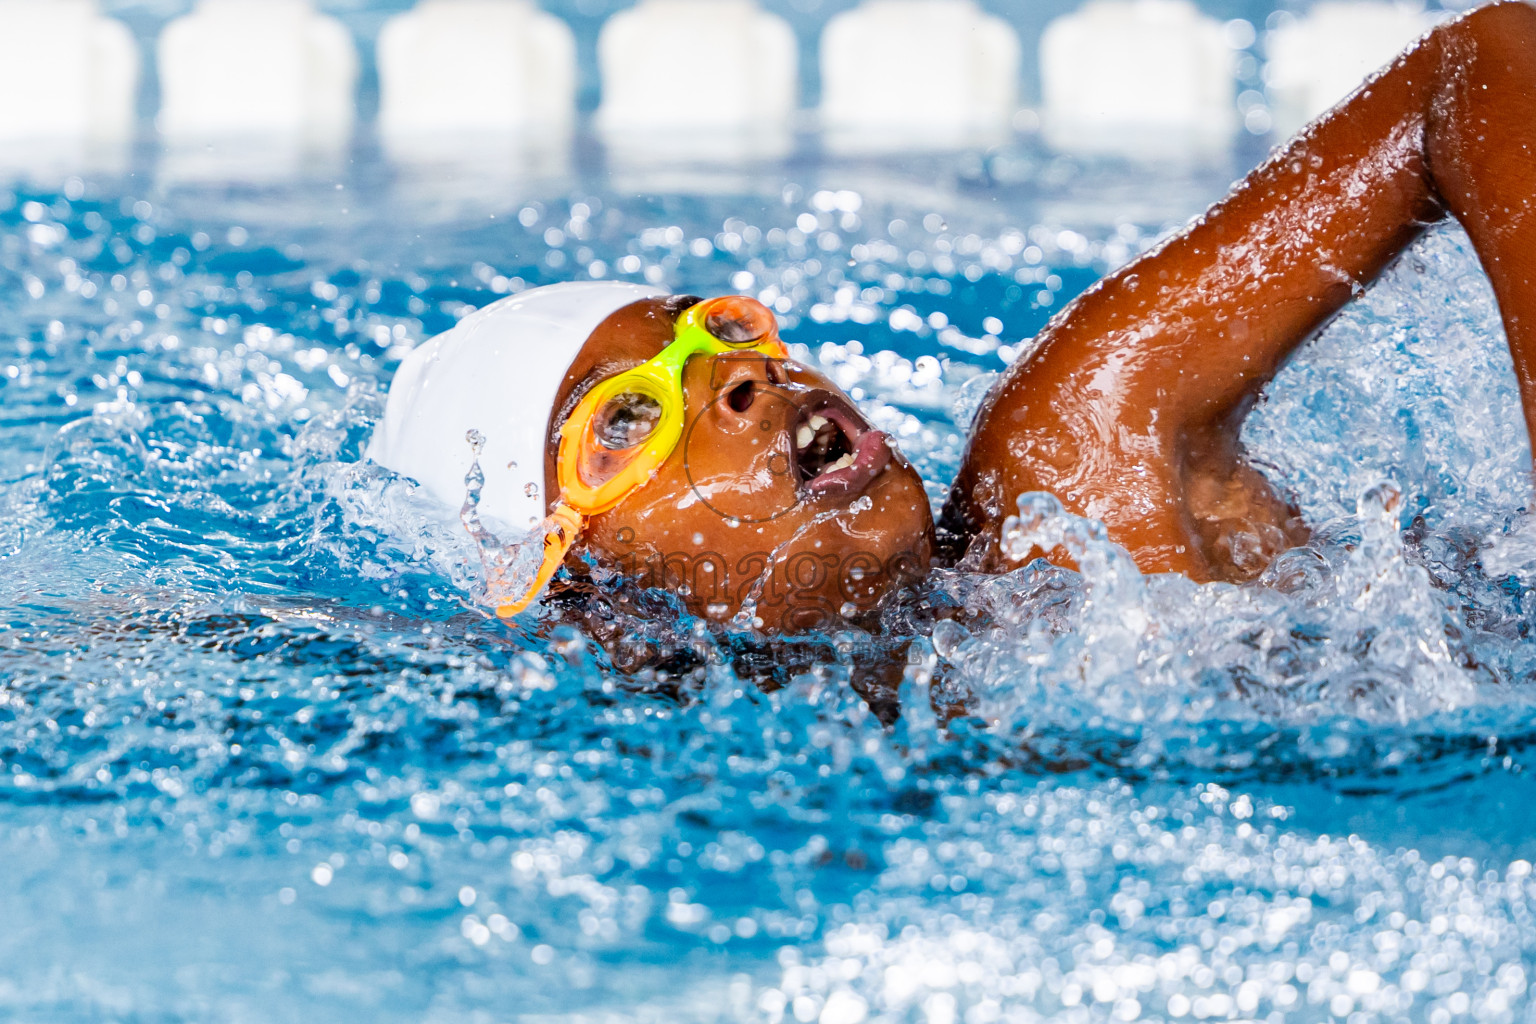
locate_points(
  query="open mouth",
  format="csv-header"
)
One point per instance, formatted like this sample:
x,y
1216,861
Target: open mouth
x,y
835,452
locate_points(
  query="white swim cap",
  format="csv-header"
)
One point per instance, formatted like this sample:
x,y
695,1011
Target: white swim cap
x,y
497,371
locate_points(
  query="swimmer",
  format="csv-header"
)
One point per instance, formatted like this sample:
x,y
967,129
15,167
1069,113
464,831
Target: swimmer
x,y
674,440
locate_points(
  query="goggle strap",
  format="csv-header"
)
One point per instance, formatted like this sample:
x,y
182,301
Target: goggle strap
x,y
561,530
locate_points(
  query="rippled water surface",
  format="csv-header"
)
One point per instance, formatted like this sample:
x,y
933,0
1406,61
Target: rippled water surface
x,y
262,758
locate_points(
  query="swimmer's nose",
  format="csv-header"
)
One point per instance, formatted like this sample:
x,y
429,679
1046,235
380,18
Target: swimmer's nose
x,y
745,382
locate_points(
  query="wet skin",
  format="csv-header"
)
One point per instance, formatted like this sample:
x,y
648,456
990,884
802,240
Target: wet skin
x,y
1128,405
734,502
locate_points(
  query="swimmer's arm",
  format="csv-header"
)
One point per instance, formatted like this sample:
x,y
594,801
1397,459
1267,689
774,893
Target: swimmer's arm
x,y
1128,406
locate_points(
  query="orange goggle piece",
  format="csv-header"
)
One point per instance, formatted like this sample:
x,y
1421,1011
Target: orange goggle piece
x,y
624,429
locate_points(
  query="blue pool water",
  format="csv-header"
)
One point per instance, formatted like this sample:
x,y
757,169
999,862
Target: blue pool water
x,y
263,759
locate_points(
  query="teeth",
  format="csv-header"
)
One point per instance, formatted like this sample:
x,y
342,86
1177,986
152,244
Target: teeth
x,y
842,463
804,436
817,422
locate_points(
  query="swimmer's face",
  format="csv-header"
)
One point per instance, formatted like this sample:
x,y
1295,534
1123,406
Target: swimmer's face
x,y
779,497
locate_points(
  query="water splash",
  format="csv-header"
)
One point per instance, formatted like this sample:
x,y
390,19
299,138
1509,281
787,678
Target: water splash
x,y
1344,628
509,568
250,730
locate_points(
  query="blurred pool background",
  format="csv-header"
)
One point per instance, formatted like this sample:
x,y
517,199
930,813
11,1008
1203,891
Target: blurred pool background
x,y
262,758
802,78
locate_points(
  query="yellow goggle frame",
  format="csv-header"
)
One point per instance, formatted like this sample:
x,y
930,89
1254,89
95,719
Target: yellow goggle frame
x,y
627,470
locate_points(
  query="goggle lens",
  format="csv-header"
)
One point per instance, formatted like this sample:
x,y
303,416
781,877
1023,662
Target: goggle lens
x,y
739,321
626,420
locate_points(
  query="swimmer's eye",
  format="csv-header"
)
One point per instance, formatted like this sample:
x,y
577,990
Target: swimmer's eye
x,y
626,420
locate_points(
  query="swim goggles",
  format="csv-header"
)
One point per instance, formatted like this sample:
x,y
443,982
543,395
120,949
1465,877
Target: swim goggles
x,y
624,429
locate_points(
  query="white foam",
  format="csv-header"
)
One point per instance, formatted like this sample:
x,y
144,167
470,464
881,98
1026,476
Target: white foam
x,y
69,73
899,73
1322,58
275,70
463,73
698,78
1137,78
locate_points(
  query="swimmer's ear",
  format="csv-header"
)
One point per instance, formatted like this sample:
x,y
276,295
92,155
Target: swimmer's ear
x,y
677,305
